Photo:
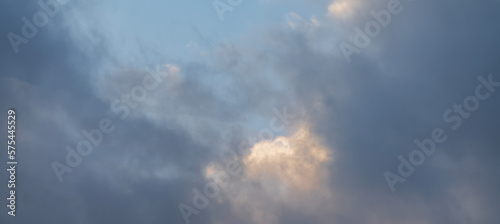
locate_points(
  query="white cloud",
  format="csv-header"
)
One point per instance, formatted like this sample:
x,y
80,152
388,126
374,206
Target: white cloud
x,y
342,9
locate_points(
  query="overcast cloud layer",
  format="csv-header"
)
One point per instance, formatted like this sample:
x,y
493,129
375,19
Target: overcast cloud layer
x,y
217,93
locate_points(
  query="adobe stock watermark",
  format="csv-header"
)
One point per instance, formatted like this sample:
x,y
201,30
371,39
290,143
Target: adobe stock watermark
x,y
223,7
222,178
48,9
427,146
372,29
94,137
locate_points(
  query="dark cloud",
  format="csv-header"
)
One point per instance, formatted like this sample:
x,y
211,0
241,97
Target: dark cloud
x,y
365,113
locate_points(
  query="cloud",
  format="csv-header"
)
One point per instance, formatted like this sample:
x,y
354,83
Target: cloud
x,y
360,116
282,173
342,9
291,164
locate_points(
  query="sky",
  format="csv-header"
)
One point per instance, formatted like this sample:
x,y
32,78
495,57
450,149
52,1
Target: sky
x,y
251,111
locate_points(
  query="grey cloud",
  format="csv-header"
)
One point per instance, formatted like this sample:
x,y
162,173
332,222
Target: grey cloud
x,y
368,112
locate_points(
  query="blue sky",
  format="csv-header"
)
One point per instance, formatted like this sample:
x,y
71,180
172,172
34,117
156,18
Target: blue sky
x,y
171,26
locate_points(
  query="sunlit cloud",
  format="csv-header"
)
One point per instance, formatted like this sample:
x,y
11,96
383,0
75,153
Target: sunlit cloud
x,y
286,172
342,8
294,163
